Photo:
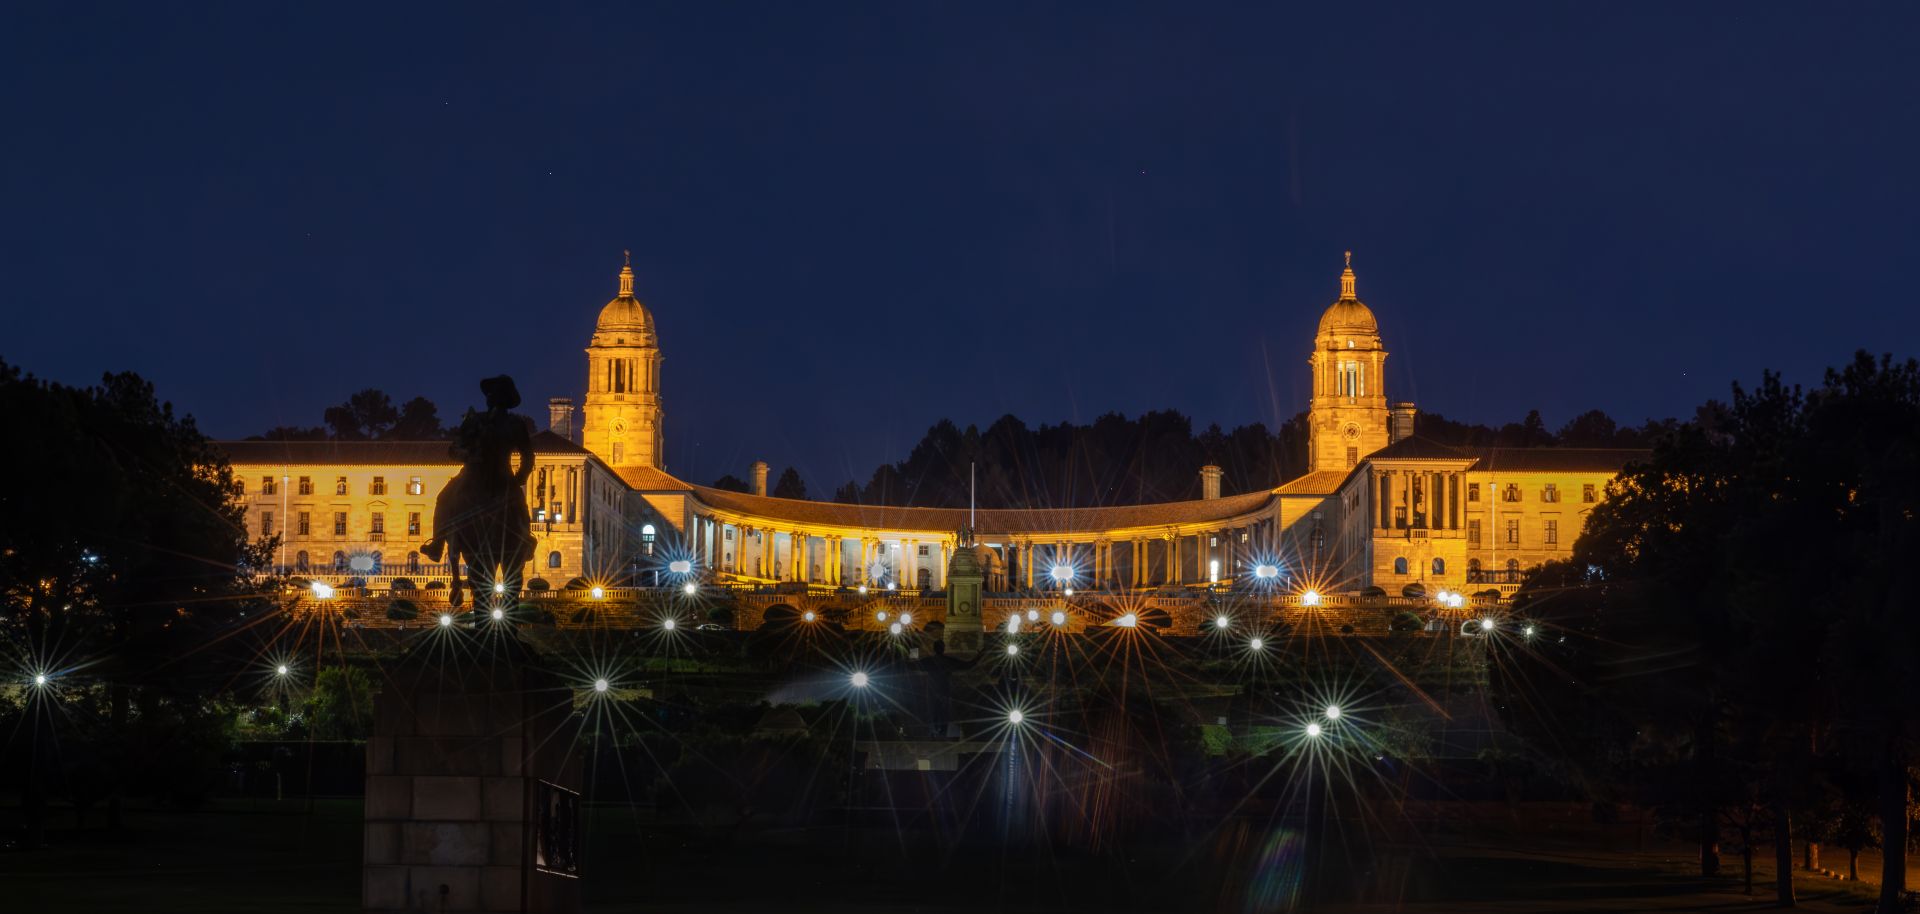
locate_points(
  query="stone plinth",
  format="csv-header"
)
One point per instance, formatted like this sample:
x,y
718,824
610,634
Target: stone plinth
x,y
463,755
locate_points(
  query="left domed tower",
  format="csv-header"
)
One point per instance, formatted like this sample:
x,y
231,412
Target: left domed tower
x,y
1347,419
621,423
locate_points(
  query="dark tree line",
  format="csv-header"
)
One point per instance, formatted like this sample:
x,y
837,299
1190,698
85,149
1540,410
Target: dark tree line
x,y
123,557
1152,458
1740,626
368,416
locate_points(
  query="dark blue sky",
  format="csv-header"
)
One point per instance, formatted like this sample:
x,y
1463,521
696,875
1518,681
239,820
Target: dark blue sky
x,y
852,220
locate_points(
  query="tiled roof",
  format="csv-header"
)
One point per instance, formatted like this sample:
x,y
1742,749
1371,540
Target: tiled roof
x,y
648,479
1415,447
1318,482
1556,459
350,453
367,453
989,523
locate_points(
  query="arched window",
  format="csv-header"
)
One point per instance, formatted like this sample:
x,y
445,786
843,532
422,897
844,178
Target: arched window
x,y
1400,565
413,563
300,560
1473,567
339,561
1439,566
925,579
1513,566
553,559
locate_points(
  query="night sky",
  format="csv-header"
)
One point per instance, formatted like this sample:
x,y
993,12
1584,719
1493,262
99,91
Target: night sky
x,y
850,224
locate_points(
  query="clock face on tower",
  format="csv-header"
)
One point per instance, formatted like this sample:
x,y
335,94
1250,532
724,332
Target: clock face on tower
x,y
1352,432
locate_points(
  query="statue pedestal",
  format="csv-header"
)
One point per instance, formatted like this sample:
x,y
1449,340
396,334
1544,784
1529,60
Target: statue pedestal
x,y
473,791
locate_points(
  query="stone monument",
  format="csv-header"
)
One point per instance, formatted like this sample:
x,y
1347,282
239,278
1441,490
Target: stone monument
x,y
964,590
473,790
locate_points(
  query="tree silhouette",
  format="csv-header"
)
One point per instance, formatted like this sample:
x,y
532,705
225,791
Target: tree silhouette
x,y
790,485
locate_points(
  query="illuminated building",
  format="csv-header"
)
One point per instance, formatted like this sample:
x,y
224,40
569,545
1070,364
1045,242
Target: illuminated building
x,y
1378,506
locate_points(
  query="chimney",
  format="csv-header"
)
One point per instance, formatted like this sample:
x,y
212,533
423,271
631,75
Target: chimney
x,y
1400,427
560,416
759,477
1210,481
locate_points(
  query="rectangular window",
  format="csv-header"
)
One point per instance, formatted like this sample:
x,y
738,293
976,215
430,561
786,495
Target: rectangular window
x,y
266,523
1513,532
1551,529
1400,517
378,486
306,523
340,485
1353,457
921,551
240,484
1550,494
339,523
379,527
1473,533
729,533
267,486
618,453
1473,491
1511,493
415,486
1588,495
306,485
413,523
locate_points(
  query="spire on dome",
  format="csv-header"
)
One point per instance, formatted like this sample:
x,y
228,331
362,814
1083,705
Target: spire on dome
x,y
1346,280
626,274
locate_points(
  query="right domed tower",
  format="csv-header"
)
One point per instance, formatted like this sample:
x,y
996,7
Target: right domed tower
x,y
1347,418
622,420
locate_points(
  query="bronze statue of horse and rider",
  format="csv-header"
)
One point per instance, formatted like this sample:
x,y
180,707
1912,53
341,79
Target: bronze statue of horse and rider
x,y
481,517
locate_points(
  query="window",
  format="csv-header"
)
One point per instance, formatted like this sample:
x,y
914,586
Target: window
x,y
306,523
1473,568
266,523
378,486
1588,495
921,551
339,523
339,561
267,486
1350,380
1400,565
379,528
1353,457
1473,533
1550,494
241,485
1513,566
1400,517
1551,529
1473,491
306,485
618,454
553,559
1511,492
1513,532
300,560
413,563
340,485
413,523
1439,566
415,486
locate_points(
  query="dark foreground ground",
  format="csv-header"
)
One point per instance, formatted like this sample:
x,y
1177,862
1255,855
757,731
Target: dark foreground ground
x,y
258,856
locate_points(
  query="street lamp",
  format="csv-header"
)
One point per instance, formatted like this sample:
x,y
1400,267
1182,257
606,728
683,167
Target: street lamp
x,y
1015,716
1013,650
859,679
1222,622
807,616
1258,644
1333,712
446,620
1313,730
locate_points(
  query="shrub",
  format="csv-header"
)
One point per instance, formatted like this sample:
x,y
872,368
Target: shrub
x,y
402,610
538,585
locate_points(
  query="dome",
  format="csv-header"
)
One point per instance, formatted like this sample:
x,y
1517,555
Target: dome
x,y
624,320
1348,314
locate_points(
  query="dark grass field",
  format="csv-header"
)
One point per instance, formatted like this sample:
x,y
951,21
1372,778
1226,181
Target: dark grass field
x,y
254,856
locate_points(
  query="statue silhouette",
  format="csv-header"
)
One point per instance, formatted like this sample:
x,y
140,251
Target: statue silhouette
x,y
481,516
